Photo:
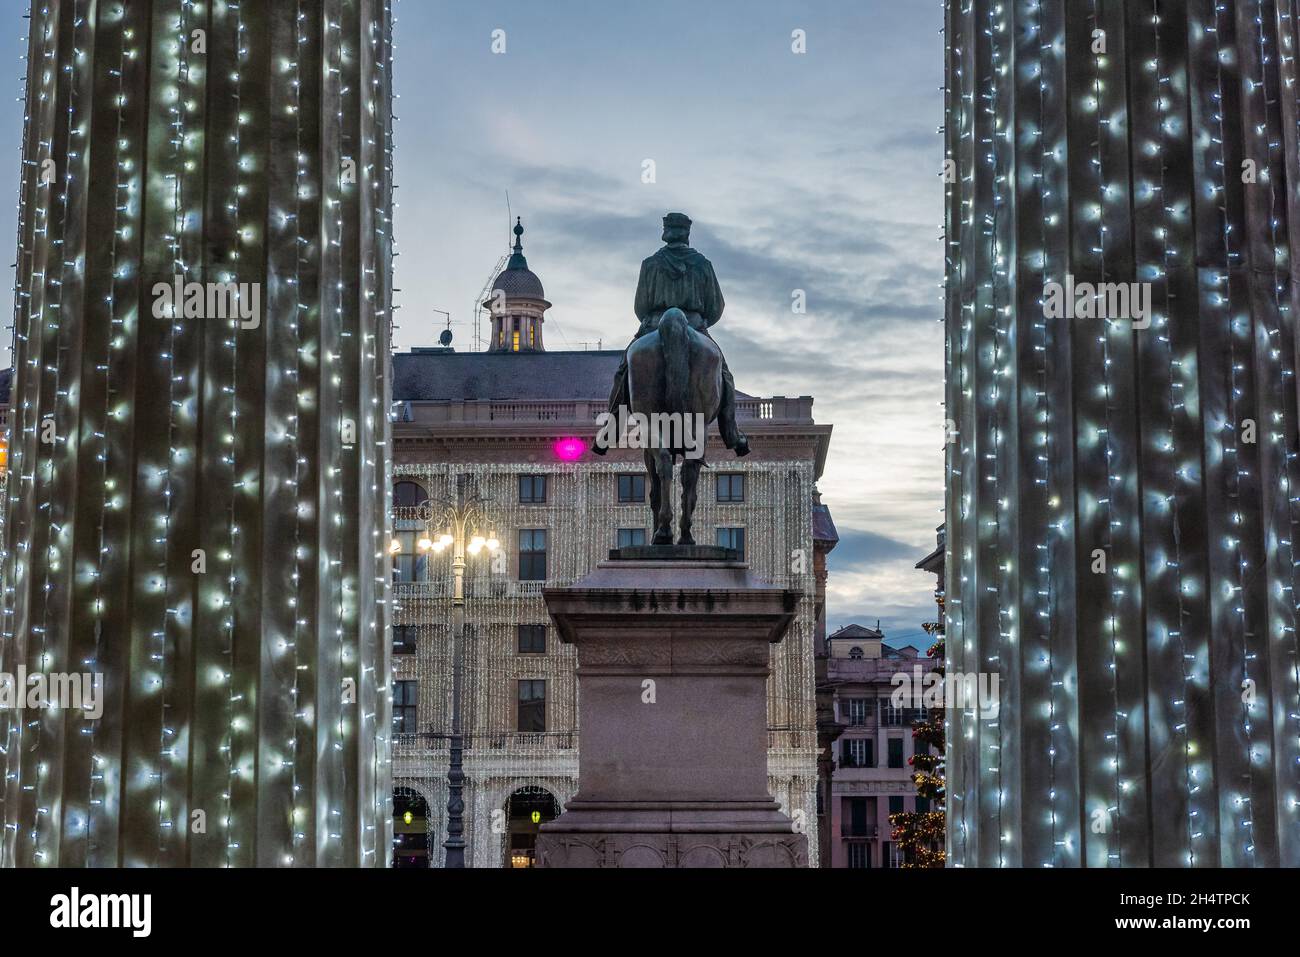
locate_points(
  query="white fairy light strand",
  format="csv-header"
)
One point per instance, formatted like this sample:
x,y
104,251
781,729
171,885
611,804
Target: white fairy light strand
x,y
150,775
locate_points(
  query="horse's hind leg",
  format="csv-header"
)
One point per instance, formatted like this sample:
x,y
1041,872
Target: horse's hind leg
x,y
690,491
664,510
652,467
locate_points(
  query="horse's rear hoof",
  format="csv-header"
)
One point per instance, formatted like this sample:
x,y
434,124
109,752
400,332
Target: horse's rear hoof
x,y
686,539
663,538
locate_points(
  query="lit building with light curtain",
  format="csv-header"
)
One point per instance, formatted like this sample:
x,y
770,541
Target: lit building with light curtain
x,y
500,418
1122,507
197,502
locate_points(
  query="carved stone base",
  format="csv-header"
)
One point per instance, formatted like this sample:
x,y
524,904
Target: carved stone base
x,y
672,834
672,850
673,660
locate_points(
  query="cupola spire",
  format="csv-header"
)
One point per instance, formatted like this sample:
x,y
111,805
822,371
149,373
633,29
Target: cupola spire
x,y
517,260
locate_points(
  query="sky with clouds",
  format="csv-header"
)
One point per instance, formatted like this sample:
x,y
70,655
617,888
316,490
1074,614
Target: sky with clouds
x,y
814,171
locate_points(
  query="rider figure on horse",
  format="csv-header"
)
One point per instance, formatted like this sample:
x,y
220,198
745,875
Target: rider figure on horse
x,y
679,276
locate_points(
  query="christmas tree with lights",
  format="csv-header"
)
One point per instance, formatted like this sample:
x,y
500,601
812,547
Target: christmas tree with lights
x,y
920,834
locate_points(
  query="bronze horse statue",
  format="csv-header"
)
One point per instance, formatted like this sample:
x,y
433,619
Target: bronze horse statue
x,y
675,381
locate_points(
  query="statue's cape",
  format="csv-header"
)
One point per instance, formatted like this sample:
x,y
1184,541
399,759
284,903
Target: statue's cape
x,y
681,277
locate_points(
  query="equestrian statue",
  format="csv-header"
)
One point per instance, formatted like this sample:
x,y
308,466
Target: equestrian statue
x,y
673,371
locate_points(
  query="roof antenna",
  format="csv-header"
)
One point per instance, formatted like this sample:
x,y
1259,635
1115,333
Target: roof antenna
x,y
508,218
444,339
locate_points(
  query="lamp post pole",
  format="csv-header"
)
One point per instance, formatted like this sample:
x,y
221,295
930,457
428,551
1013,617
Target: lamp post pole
x,y
455,843
451,522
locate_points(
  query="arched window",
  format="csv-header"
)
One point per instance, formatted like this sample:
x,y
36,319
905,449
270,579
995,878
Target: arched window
x,y
408,494
855,652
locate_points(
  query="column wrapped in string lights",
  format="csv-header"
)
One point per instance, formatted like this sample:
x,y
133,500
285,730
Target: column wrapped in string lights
x,y
1122,490
198,498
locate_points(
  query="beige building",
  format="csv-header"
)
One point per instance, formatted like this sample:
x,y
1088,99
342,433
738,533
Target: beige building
x,y
873,772
500,417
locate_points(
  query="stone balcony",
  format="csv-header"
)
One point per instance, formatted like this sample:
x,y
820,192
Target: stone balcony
x,y
495,587
872,670
516,741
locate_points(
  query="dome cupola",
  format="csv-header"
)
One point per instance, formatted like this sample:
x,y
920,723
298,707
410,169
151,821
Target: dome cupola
x,y
517,304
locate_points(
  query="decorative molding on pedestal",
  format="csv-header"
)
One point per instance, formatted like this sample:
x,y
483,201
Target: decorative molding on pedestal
x,y
674,850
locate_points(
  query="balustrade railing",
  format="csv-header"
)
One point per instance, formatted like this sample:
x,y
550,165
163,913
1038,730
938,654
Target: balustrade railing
x,y
410,743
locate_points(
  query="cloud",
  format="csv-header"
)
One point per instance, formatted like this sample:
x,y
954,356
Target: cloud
x,y
813,173
861,547
759,278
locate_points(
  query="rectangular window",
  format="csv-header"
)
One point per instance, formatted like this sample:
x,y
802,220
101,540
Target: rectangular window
x,y
532,490
894,717
889,856
631,537
532,639
857,820
895,805
733,538
895,752
860,856
403,639
532,705
532,554
731,487
857,753
631,489
404,706
857,711
923,805
408,564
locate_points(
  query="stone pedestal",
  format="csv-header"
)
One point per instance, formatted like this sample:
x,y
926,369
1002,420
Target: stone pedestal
x,y
673,656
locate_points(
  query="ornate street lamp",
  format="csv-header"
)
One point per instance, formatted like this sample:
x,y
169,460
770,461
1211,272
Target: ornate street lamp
x,y
456,525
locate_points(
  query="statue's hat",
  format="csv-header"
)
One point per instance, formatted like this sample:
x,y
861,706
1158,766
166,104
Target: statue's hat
x,y
677,220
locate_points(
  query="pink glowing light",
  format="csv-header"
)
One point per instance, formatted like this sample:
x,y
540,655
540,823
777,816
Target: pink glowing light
x,y
570,450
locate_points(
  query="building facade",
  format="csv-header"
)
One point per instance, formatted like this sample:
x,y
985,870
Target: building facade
x,y
501,418
825,538
198,441
1123,224
872,777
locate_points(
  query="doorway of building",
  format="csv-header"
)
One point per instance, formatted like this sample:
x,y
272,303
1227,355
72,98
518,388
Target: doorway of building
x,y
410,829
527,809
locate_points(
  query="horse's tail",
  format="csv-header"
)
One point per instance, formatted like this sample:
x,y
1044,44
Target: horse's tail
x,y
676,351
